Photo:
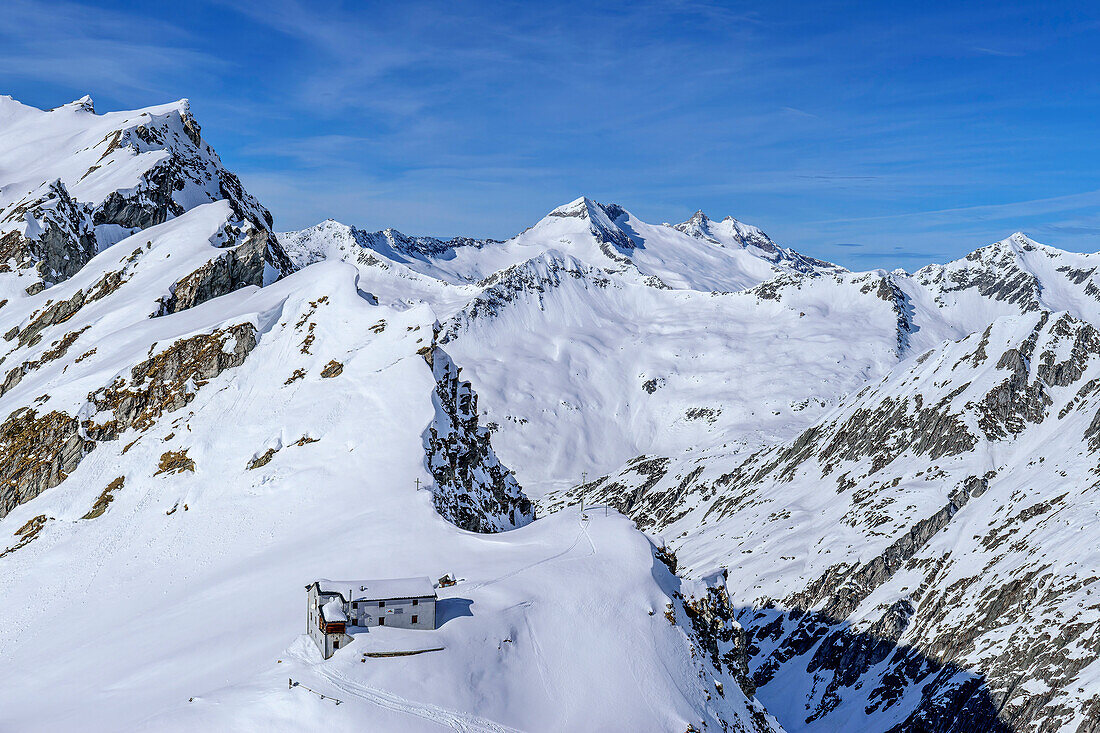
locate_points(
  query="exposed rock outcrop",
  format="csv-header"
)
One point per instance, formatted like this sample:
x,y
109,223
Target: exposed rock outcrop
x,y
169,380
703,611
472,488
39,452
55,235
59,226
148,204
239,266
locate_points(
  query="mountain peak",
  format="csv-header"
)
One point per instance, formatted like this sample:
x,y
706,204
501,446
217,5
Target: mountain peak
x,y
698,219
586,208
697,226
84,104
1026,243
577,207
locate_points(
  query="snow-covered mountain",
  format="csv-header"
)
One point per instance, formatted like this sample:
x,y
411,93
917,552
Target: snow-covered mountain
x,y
714,407
948,502
191,430
824,500
75,182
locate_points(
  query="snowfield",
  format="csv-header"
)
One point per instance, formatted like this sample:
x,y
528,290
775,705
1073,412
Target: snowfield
x,y
817,500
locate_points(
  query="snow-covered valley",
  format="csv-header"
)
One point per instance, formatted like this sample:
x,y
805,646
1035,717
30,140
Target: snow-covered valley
x,y
815,499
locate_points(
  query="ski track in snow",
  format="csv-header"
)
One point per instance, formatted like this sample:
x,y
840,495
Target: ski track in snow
x,y
566,551
459,721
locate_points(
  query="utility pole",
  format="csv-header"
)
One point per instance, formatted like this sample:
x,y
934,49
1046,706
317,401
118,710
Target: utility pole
x,y
584,480
418,483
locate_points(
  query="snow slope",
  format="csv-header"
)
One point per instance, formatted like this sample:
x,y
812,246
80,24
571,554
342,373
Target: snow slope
x,y
604,332
189,435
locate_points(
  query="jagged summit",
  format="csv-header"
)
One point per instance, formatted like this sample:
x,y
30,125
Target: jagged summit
x,y
702,226
698,222
84,104
734,234
586,208
1015,275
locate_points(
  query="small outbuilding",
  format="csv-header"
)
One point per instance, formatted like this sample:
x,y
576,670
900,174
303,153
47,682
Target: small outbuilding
x,y
336,607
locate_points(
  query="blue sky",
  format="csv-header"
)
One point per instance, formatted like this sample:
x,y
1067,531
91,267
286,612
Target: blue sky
x,y
871,134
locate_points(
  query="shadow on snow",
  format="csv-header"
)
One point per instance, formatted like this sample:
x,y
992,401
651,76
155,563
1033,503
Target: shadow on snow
x,y
447,609
814,672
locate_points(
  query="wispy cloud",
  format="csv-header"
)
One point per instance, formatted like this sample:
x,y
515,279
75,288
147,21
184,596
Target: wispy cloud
x,y
996,52
96,49
1019,209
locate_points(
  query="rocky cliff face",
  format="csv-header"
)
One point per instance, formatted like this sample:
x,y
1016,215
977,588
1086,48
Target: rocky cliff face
x,y
472,488
251,253
701,608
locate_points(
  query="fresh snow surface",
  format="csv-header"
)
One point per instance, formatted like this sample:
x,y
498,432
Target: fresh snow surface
x,y
527,635
333,611
373,590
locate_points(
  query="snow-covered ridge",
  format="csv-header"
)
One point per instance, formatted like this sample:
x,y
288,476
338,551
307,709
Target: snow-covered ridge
x,y
734,234
73,182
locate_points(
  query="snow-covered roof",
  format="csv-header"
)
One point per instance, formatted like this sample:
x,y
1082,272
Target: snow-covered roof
x,y
378,590
333,611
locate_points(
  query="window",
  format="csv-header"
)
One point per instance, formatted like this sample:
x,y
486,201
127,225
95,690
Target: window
x,y
381,620
416,601
414,619
354,606
335,643
381,604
